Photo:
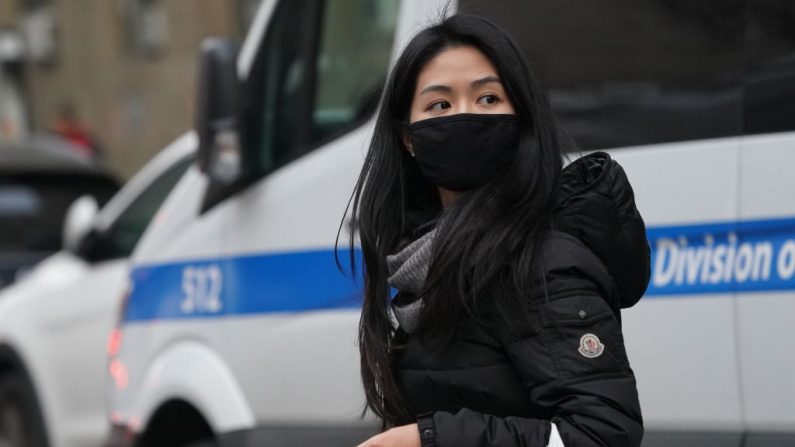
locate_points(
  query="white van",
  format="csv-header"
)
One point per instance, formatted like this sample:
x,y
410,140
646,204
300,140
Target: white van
x,y
239,329
55,322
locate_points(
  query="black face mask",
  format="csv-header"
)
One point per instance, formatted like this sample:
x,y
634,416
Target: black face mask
x,y
464,151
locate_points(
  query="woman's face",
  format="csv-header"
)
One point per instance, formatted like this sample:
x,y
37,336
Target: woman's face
x,y
458,80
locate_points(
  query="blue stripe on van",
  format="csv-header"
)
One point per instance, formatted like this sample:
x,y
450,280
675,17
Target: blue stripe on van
x,y
282,282
713,258
725,257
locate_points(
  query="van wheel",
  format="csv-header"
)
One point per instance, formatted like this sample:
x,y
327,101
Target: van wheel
x,y
20,424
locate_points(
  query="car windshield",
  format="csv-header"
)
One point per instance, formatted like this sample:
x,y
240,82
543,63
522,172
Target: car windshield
x,y
33,207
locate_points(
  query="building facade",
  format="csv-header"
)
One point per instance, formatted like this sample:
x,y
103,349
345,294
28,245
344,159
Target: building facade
x,y
126,69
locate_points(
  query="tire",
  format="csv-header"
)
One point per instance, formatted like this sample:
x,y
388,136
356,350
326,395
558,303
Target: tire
x,y
20,421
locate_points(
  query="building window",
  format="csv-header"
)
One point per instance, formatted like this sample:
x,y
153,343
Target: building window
x,y
39,30
246,10
145,26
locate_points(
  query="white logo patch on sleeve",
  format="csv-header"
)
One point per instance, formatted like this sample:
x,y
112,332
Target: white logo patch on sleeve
x,y
590,346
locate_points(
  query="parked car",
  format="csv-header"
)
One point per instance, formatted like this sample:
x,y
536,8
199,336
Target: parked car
x,y
39,180
55,322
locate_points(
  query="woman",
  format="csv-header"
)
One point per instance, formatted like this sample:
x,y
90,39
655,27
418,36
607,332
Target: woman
x,y
510,271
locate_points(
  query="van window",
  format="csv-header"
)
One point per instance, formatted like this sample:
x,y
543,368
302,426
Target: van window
x,y
633,72
770,79
119,240
319,74
352,62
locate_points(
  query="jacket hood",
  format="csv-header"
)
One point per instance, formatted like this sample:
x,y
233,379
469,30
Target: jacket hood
x,y
596,205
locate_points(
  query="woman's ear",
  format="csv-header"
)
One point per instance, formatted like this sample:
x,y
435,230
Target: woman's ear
x,y
407,142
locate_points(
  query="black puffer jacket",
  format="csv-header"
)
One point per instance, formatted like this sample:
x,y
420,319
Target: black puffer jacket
x,y
501,387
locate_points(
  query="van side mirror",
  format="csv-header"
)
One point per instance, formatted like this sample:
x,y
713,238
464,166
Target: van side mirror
x,y
78,222
218,111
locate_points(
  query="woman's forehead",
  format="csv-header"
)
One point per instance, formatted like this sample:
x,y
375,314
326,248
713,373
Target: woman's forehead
x,y
456,67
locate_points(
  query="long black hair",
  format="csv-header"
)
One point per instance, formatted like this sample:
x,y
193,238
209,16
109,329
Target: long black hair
x,y
487,240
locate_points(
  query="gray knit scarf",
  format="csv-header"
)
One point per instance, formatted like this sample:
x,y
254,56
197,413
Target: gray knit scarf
x,y
408,269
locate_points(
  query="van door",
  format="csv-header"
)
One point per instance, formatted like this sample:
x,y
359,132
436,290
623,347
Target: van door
x,y
658,84
767,302
310,100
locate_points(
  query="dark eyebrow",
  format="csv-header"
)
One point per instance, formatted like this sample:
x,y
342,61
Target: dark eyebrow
x,y
486,80
436,88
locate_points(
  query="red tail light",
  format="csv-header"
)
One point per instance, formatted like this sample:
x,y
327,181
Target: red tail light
x,y
114,342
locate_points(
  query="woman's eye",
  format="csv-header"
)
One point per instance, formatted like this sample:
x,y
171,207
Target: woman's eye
x,y
488,99
439,106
